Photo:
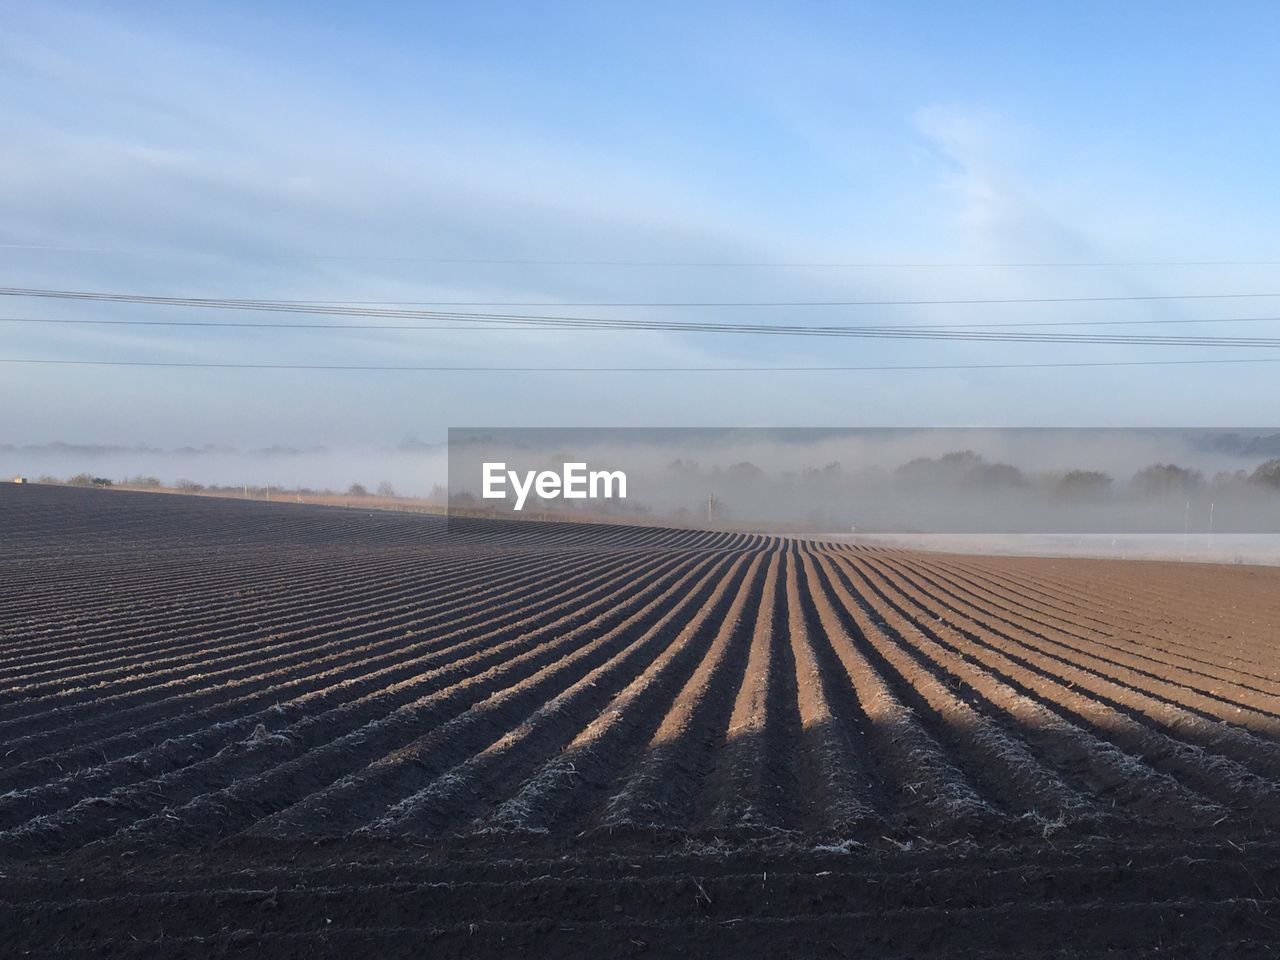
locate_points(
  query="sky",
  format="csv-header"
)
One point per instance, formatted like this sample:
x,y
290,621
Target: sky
x,y
327,151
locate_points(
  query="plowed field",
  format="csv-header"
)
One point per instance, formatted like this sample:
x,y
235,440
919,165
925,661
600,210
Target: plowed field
x,y
271,729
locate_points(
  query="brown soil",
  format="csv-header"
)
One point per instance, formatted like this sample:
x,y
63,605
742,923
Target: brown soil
x,y
238,728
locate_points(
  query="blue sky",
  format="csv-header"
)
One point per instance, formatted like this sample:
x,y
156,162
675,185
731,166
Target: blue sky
x,y
224,149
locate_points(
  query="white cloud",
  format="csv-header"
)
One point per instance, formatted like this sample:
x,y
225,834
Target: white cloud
x,y
1001,215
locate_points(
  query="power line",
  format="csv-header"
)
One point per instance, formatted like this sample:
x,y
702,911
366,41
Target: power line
x,y
355,308
963,334
780,264
507,320
643,369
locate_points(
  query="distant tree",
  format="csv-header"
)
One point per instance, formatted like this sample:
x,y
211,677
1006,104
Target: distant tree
x,y
80,480
961,458
385,489
187,486
1082,484
996,475
1268,474
920,469
960,468
439,494
1166,479
828,473
1228,479
47,478
143,483
357,490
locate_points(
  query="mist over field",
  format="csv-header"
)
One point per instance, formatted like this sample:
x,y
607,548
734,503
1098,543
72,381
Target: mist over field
x,y
412,468
916,481
887,481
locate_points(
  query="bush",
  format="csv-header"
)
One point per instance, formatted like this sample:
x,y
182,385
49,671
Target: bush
x,y
187,486
385,489
80,480
357,490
